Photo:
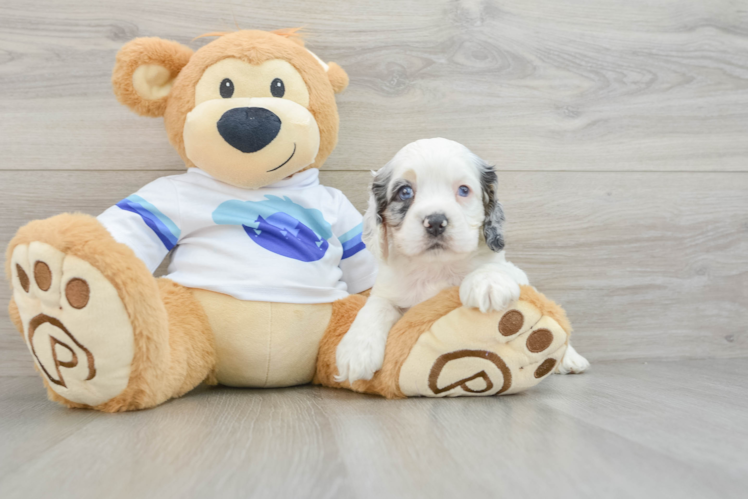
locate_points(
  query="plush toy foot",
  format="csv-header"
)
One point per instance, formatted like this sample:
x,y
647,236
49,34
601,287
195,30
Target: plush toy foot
x,y
103,333
441,348
469,353
74,323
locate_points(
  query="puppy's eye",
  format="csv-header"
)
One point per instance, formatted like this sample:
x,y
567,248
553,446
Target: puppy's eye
x,y
463,191
227,88
405,193
277,88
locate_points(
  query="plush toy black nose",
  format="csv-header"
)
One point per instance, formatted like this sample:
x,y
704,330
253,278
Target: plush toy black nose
x,y
249,129
435,224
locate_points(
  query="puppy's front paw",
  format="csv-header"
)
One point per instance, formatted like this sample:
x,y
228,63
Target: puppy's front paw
x,y
489,290
359,355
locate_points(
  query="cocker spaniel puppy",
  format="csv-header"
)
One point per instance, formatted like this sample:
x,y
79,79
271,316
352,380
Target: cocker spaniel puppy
x,y
433,221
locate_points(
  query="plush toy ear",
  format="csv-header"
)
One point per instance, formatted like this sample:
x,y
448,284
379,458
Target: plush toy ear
x,y
338,77
145,71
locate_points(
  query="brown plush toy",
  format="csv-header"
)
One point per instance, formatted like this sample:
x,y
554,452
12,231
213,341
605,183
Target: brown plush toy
x,y
263,260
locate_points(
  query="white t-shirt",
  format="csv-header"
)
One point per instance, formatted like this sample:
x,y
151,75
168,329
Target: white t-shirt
x,y
294,241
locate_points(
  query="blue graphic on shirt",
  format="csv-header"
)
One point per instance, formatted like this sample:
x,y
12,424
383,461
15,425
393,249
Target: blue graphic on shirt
x,y
165,229
351,241
279,225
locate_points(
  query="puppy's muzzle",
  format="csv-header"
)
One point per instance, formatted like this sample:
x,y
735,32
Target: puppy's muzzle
x,y
435,224
249,129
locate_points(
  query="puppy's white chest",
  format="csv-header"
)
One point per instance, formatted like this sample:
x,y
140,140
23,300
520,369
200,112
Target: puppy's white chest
x,y
424,285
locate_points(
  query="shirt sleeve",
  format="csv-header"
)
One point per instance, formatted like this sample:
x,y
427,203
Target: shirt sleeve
x,y
148,221
358,264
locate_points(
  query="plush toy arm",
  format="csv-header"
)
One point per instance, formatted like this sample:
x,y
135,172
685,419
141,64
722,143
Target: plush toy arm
x,y
358,264
359,272
148,221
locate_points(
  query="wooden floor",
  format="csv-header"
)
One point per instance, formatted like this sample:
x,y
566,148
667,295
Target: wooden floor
x,y
626,429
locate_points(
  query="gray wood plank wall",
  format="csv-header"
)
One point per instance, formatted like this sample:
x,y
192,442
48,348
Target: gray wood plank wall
x,y
620,130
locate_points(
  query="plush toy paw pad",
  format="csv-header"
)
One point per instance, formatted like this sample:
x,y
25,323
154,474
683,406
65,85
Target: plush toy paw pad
x,y
499,353
74,322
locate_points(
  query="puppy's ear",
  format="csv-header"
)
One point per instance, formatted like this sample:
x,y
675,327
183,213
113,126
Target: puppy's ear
x,y
375,225
145,71
493,223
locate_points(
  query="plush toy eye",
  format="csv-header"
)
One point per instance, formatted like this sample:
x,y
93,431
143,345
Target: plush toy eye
x,y
463,191
405,193
277,88
227,88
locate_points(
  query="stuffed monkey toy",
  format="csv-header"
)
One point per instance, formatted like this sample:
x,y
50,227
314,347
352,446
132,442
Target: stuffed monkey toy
x,y
266,262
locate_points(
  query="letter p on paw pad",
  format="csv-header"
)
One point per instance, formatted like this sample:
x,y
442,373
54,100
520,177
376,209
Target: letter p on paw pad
x,y
74,324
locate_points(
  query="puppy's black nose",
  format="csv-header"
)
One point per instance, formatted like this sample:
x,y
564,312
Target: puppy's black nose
x,y
249,129
435,224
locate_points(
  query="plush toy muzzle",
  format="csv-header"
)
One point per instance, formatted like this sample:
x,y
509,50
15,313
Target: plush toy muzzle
x,y
251,142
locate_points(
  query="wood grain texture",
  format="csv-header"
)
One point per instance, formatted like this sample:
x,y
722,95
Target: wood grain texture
x,y
530,85
629,429
648,265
